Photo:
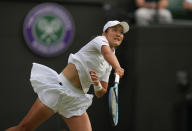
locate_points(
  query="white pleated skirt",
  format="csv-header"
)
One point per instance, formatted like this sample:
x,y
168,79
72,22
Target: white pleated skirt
x,y
56,92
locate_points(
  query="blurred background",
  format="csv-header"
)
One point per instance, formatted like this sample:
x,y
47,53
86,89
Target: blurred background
x,y
155,93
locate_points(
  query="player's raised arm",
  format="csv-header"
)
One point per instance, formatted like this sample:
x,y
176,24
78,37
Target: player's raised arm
x,y
114,33
112,60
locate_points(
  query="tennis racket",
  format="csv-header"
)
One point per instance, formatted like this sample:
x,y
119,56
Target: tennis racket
x,y
113,101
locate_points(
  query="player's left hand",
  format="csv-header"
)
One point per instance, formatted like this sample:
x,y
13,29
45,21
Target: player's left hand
x,y
94,77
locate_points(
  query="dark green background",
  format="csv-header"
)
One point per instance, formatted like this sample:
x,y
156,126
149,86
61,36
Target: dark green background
x,y
151,56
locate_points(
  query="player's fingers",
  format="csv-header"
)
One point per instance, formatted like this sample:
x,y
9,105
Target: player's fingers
x,y
120,72
123,71
94,77
92,72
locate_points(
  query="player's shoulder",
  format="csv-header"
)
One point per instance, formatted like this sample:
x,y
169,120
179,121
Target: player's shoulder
x,y
100,39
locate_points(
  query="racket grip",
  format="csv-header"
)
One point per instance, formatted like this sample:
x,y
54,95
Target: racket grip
x,y
117,78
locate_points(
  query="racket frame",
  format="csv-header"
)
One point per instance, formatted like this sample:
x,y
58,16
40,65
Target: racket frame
x,y
114,90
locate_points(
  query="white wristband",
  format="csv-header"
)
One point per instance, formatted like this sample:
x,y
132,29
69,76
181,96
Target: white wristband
x,y
98,87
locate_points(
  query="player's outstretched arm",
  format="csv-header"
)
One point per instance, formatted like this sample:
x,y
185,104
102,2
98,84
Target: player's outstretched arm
x,y
112,60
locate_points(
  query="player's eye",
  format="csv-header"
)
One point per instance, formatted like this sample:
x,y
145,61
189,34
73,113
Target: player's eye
x,y
114,29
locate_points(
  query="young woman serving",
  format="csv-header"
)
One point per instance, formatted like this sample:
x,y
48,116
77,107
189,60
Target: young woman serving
x,y
66,93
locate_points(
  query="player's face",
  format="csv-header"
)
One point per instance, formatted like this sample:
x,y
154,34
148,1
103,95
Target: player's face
x,y
114,35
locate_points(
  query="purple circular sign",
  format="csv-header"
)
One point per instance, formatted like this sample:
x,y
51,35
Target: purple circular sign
x,y
48,29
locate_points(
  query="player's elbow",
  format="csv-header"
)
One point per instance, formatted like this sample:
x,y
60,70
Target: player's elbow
x,y
101,93
98,95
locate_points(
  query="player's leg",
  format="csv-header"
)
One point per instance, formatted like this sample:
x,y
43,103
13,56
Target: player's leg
x,y
79,123
36,115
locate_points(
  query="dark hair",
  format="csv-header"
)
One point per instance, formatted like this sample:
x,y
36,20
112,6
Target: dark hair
x,y
106,30
92,37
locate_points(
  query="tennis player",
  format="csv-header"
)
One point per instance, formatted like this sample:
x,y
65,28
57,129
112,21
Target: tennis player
x,y
66,93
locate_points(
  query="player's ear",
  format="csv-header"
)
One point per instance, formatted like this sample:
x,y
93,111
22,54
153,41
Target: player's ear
x,y
104,33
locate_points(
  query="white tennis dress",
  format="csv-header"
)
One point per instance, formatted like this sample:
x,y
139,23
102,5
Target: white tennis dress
x,y
56,92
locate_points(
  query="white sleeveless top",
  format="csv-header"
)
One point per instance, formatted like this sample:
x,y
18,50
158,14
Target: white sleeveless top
x,y
88,58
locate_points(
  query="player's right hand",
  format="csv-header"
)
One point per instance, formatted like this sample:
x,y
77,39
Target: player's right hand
x,y
120,71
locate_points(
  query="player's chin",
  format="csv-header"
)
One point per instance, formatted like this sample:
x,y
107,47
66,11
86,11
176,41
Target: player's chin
x,y
116,44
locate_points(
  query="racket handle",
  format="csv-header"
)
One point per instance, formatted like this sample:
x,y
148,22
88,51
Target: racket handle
x,y
117,78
